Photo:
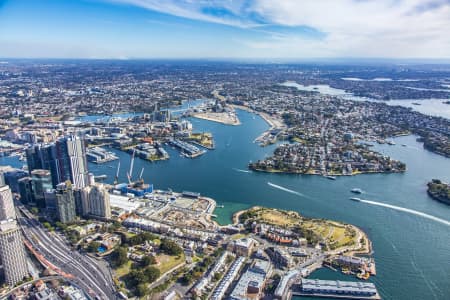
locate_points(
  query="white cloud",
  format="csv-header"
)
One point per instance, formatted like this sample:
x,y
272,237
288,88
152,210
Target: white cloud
x,y
361,28
195,10
364,28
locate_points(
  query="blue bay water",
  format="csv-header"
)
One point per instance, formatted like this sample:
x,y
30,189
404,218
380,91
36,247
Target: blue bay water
x,y
412,252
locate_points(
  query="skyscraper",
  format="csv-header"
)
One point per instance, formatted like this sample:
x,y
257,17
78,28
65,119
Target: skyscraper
x,y
12,178
41,181
72,154
35,159
65,202
12,252
43,156
65,159
26,190
6,204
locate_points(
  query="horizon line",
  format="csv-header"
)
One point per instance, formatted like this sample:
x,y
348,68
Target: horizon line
x,y
240,59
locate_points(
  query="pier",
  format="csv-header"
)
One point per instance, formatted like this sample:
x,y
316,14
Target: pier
x,y
189,150
336,289
99,155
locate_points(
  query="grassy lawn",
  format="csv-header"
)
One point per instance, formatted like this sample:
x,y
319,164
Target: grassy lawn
x,y
167,262
123,270
333,233
238,236
279,218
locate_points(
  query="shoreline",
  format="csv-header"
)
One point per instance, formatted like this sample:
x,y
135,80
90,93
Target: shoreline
x,y
316,174
362,249
217,119
266,117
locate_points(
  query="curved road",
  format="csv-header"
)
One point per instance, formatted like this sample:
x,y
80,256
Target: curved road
x,y
92,276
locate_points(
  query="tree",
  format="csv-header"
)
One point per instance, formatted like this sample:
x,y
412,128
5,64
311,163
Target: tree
x,y
137,277
148,260
48,226
170,247
93,247
141,238
142,290
187,278
74,236
61,226
152,273
119,256
217,276
114,226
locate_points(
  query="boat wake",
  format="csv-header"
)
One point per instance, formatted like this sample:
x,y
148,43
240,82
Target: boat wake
x,y
286,189
243,171
410,211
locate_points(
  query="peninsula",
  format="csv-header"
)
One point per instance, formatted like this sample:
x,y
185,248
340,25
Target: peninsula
x,y
333,237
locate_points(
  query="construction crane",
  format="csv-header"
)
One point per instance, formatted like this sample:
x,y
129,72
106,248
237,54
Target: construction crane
x,y
116,179
140,175
130,173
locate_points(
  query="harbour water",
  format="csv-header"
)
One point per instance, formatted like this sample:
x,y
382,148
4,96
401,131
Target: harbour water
x,y
431,107
412,252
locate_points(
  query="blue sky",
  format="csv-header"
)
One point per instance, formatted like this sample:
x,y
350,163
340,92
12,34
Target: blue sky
x,y
290,29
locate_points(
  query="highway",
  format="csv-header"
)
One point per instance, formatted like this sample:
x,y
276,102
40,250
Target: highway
x,y
93,277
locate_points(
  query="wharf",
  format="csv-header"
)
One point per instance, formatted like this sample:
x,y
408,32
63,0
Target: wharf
x,y
99,155
187,149
203,146
336,296
336,289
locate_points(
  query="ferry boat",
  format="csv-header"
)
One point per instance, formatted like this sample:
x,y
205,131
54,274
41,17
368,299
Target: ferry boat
x,y
355,199
101,177
356,191
392,143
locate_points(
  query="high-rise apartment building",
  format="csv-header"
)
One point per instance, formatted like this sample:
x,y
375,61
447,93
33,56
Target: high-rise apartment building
x,y
98,201
26,190
12,252
6,204
41,181
72,153
65,202
65,159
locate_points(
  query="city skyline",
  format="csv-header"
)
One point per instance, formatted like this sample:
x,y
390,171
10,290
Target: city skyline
x,y
291,30
224,149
